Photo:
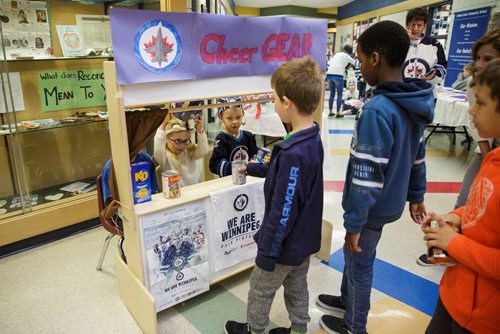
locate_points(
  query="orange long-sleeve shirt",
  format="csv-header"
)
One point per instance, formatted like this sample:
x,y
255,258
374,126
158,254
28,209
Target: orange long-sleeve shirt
x,y
470,291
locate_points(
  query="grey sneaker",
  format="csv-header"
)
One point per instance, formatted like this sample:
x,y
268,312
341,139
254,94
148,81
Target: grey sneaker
x,y
331,303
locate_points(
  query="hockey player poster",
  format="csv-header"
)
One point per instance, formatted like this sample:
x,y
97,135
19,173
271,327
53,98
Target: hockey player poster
x,y
237,215
176,253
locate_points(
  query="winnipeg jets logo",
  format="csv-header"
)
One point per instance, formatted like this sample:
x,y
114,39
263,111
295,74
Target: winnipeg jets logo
x,y
412,68
158,46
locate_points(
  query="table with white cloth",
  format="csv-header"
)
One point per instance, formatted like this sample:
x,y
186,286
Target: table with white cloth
x,y
451,111
265,122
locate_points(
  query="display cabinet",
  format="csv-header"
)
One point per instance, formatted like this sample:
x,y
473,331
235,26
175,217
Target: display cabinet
x,y
52,145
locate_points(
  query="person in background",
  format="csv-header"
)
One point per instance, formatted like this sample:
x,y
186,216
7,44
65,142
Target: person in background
x,y
351,102
293,190
463,77
469,292
335,76
386,168
484,50
425,59
174,150
232,143
361,81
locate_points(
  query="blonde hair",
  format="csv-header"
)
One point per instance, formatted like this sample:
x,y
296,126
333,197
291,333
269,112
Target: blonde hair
x,y
173,126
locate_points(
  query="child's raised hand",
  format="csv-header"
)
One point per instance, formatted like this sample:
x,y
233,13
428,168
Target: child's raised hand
x,y
198,124
164,123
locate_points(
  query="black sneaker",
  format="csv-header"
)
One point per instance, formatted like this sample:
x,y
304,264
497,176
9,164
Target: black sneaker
x,y
334,325
422,261
280,330
331,303
233,327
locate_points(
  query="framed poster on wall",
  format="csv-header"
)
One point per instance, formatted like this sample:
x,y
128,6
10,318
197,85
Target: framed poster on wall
x,y
358,28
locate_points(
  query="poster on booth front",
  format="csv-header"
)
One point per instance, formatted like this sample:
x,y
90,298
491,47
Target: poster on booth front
x,y
175,253
237,216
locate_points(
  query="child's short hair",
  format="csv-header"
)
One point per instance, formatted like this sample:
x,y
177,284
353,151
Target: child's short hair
x,y
469,67
300,80
416,14
348,48
228,100
489,76
389,39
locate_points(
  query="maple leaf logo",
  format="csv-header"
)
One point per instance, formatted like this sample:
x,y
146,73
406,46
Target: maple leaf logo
x,y
159,48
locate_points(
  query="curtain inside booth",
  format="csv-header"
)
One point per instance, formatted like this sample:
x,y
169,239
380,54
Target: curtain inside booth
x,y
141,127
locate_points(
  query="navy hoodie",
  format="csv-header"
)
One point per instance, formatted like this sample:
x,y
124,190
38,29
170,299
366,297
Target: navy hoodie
x,y
293,190
387,161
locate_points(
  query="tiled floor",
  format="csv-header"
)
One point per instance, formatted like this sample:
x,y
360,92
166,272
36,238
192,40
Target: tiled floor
x,y
56,289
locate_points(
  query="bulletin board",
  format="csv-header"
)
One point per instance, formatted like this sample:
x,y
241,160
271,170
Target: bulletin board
x,y
359,27
25,28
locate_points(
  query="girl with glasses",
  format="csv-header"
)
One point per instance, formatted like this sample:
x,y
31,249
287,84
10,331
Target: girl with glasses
x,y
173,149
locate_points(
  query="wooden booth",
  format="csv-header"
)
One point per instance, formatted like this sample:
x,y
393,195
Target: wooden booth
x,y
151,280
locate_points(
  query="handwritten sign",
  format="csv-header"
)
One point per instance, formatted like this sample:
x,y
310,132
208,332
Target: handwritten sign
x,y
154,46
71,89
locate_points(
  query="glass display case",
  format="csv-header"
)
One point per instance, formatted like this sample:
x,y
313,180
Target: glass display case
x,y
53,145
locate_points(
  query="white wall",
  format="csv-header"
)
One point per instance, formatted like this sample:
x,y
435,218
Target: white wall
x,y
343,32
399,17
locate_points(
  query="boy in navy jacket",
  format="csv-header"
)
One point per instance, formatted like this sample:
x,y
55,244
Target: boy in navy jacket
x,y
386,168
291,228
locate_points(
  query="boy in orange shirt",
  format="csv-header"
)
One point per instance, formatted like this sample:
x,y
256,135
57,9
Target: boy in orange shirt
x,y
469,293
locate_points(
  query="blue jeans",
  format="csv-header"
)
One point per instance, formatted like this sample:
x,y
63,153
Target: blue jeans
x,y
336,84
362,90
357,278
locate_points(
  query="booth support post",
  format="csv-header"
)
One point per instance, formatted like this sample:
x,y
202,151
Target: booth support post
x,y
130,277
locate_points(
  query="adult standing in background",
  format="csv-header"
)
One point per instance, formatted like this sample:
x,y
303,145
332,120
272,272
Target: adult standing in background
x,y
425,59
335,76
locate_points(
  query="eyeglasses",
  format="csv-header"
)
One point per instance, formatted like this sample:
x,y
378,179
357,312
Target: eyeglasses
x,y
180,141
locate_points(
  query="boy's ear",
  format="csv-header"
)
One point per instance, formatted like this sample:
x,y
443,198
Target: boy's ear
x,y
375,58
287,102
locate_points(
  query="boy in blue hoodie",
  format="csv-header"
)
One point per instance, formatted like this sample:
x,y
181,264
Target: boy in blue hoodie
x,y
293,190
386,168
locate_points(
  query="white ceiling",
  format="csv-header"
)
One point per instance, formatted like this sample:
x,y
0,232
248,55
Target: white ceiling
x,y
301,3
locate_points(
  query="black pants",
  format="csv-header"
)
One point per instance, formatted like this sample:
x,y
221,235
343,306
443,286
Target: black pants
x,y
443,323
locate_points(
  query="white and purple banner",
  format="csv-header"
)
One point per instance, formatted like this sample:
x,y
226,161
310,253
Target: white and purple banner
x,y
152,46
237,214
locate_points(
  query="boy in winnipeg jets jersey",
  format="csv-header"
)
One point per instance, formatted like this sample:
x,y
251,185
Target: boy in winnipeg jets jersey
x,y
291,228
